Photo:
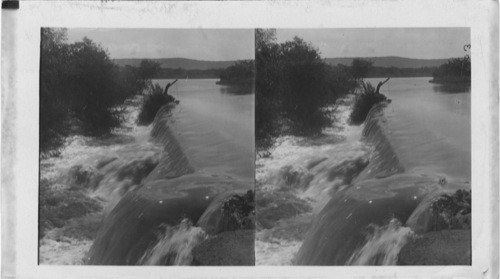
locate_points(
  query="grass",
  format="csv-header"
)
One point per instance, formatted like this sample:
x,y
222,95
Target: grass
x,y
363,103
152,103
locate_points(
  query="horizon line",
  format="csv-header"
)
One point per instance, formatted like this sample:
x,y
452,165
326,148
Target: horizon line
x,y
334,57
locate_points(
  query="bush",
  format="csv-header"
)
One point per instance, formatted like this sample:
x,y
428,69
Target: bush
x,y
293,88
363,102
152,103
54,55
81,89
241,72
456,70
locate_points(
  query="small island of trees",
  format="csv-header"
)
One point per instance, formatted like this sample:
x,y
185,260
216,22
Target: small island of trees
x,y
241,72
455,71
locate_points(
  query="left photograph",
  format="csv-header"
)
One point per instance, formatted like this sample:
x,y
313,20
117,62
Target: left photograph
x,y
146,140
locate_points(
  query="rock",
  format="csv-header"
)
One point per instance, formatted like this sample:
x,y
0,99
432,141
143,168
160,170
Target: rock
x,y
446,247
105,161
83,177
233,210
227,248
131,226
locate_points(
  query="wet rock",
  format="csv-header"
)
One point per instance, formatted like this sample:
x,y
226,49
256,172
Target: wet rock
x,y
446,247
137,170
293,177
272,207
234,210
104,161
227,248
347,170
83,177
442,211
59,206
130,228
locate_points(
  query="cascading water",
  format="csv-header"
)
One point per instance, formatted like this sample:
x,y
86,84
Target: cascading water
x,y
175,245
357,195
101,170
143,189
382,245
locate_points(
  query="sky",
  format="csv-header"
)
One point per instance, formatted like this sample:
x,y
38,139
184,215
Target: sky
x,y
201,44
423,43
234,44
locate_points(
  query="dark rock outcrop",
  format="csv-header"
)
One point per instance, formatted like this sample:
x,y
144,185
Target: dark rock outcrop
x,y
446,247
234,210
227,248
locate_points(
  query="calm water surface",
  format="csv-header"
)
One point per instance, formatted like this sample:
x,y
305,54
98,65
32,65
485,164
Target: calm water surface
x,y
215,125
430,126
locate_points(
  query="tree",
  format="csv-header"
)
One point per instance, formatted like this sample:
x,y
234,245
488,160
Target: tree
x,y
267,81
242,71
54,55
360,68
81,88
94,90
455,70
294,86
304,87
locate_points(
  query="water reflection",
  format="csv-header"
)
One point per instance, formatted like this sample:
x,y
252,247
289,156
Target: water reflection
x,y
451,88
239,89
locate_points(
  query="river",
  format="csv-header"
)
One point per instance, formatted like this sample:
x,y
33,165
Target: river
x,y
206,140
355,195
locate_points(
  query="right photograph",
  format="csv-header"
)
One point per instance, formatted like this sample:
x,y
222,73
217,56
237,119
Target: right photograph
x,y
363,146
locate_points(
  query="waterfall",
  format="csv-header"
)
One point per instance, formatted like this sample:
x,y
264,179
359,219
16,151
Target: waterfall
x,y
174,245
382,245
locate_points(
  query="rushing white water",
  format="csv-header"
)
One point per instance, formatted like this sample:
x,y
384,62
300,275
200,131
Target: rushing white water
x,y
382,245
214,126
174,245
298,178
319,195
102,162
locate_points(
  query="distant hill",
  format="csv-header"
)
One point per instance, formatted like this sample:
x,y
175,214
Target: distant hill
x,y
391,61
174,63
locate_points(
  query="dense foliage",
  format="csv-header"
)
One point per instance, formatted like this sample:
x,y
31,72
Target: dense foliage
x,y
152,103
363,103
181,73
242,71
81,89
455,70
294,87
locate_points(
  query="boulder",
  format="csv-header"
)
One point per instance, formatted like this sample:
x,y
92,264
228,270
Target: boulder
x,y
233,210
227,248
446,247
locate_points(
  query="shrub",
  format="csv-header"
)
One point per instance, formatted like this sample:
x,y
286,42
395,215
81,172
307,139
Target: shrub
x,y
243,71
81,89
293,88
152,103
363,102
54,55
455,70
